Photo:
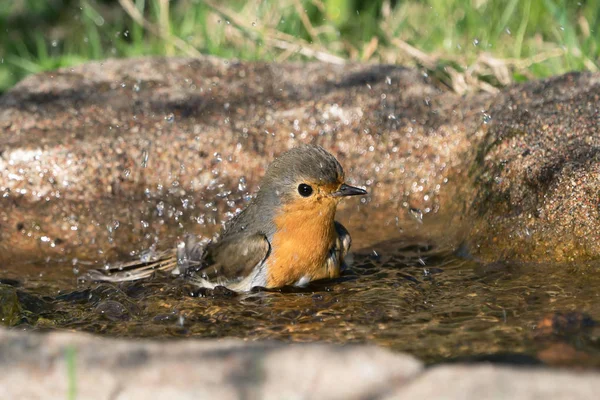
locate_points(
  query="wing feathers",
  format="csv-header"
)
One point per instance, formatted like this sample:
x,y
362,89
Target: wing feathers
x,y
232,258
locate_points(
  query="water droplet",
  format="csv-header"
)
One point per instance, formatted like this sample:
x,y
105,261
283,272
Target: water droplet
x,y
242,184
144,158
185,203
416,214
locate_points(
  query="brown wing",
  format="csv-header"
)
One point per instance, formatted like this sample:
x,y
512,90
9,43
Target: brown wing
x,y
233,257
344,238
337,255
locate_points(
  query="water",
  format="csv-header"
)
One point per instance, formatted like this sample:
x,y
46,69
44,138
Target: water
x,y
409,295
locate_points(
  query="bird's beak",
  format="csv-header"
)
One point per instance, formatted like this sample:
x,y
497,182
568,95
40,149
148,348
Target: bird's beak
x,y
347,190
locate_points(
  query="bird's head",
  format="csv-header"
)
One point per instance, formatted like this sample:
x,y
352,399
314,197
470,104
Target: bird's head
x,y
306,178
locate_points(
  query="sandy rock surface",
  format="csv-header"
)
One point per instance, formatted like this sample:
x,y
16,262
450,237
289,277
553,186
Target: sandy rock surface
x,y
104,159
537,172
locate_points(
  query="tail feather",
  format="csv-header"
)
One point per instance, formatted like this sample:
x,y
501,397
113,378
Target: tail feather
x,y
177,261
165,261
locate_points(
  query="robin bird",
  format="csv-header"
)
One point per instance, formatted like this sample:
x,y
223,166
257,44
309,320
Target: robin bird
x,y
287,235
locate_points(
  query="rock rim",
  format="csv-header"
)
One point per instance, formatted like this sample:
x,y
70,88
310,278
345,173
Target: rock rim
x,y
76,365
109,156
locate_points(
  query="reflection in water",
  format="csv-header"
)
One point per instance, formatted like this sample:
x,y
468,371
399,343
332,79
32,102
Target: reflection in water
x,y
406,296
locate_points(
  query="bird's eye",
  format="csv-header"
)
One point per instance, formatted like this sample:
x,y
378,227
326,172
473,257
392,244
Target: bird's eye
x,y
305,190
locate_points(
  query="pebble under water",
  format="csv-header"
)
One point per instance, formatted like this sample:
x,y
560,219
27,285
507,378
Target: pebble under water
x,y
407,295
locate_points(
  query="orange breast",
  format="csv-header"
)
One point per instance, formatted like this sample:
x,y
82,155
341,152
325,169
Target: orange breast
x,y
300,247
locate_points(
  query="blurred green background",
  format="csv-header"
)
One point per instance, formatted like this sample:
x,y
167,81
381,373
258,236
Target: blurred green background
x,y
470,44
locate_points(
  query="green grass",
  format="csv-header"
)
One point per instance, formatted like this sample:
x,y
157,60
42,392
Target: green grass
x,y
472,44
71,362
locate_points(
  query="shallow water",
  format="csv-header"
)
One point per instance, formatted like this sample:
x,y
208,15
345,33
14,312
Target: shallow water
x,y
406,294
